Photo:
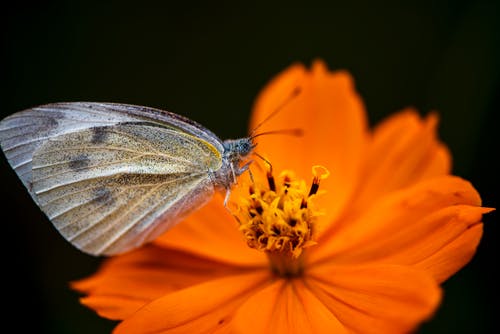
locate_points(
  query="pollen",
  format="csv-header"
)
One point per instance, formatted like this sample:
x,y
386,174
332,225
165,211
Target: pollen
x,y
278,216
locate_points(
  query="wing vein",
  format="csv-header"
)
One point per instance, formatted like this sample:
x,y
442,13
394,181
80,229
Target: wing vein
x,y
114,210
112,148
134,222
99,186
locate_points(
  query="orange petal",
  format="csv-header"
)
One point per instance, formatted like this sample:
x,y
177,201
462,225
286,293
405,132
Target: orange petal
x,y
452,257
418,242
213,233
332,117
127,282
376,299
409,226
397,210
403,151
203,308
287,306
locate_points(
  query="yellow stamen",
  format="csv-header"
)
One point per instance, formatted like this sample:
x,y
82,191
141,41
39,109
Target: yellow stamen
x,y
278,218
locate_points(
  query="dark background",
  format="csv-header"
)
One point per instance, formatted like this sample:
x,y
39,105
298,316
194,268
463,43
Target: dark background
x,y
208,62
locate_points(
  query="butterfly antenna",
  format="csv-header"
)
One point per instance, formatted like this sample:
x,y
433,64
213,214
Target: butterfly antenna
x,y
290,97
297,132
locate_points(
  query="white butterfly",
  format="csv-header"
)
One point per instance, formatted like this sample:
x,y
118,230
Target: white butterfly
x,y
112,177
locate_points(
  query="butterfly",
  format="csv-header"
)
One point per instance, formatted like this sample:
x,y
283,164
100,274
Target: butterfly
x,y
112,177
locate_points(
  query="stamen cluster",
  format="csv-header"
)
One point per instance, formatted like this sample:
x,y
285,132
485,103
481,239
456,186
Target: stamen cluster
x,y
279,217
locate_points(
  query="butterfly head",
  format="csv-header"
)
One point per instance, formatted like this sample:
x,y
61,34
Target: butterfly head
x,y
235,153
236,150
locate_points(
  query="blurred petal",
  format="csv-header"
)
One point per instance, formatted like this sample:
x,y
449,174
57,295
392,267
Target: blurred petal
x,y
332,117
376,299
203,308
213,233
127,282
453,256
286,306
409,227
404,150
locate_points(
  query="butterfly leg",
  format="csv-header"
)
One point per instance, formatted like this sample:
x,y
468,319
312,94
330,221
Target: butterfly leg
x,y
244,168
226,199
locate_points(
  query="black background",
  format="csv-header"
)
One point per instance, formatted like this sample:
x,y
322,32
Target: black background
x,y
208,61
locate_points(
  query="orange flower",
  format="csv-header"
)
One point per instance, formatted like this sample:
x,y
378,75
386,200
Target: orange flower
x,y
365,253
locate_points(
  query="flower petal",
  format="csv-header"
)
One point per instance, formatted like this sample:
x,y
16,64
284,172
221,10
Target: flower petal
x,y
213,233
202,308
404,150
452,257
376,299
411,226
286,306
127,282
333,120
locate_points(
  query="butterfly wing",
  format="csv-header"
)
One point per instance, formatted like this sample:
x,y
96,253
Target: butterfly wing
x,y
110,184
23,132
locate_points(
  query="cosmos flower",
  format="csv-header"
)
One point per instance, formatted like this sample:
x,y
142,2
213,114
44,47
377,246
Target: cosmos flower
x,y
350,229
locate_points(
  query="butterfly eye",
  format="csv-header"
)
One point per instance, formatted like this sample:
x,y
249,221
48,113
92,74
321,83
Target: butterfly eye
x,y
246,146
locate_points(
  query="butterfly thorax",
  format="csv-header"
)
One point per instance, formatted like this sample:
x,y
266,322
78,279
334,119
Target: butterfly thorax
x,y
235,153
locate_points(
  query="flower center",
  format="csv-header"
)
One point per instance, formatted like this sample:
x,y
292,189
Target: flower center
x,y
278,218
